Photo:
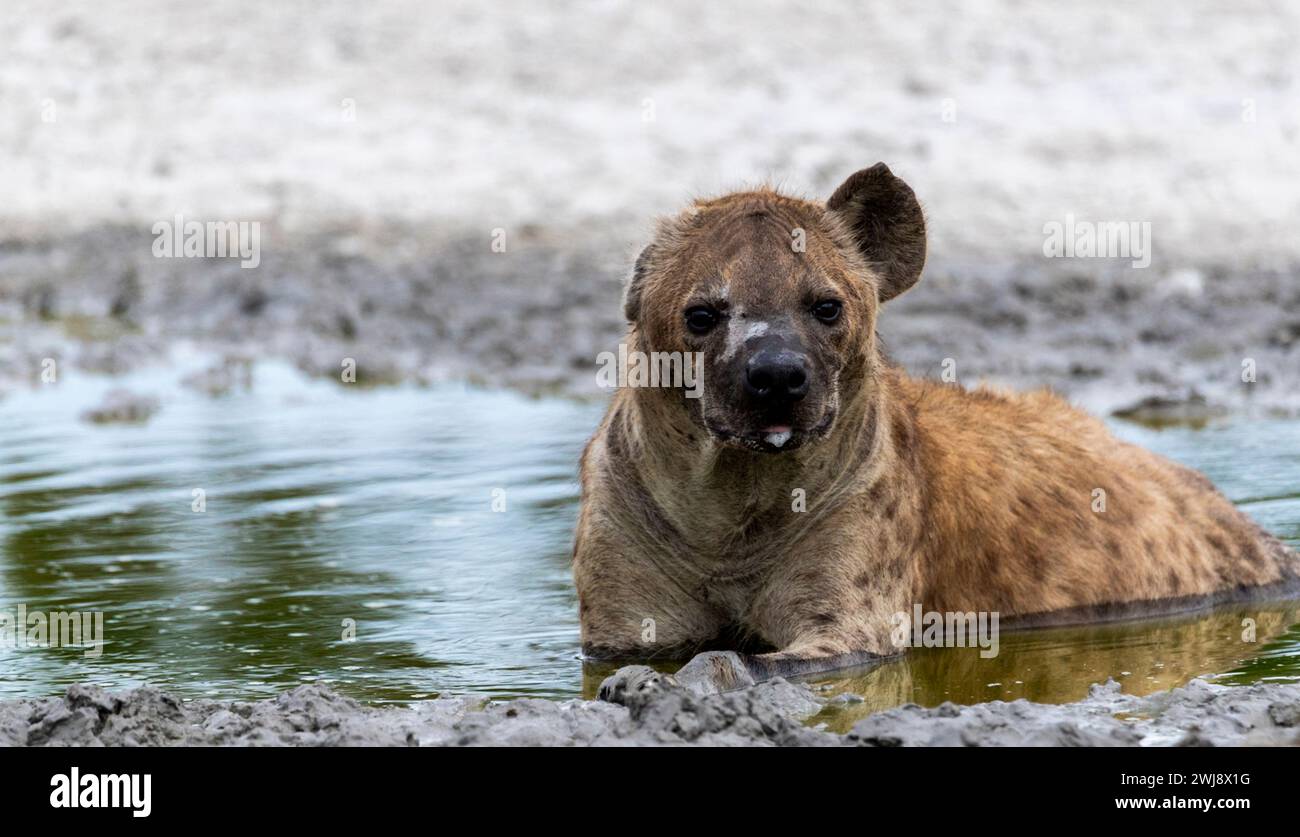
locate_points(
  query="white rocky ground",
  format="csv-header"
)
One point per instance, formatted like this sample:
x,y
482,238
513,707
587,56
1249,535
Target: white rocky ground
x,y
589,117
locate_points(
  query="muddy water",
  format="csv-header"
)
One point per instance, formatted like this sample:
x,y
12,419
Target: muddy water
x,y
401,543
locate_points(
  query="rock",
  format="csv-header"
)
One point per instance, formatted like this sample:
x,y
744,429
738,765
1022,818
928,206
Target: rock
x,y
1284,714
1189,407
122,406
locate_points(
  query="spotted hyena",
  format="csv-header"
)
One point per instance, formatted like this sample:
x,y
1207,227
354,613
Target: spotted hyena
x,y
815,490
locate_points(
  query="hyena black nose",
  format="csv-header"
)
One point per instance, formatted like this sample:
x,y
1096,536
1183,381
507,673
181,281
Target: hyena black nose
x,y
777,375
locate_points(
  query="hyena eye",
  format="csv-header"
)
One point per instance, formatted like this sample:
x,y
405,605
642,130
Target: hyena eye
x,y
828,310
701,319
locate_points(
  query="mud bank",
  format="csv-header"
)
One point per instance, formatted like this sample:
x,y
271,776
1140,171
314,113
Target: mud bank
x,y
409,309
657,713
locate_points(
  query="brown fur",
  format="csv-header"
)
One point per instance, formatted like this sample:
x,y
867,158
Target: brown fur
x,y
916,491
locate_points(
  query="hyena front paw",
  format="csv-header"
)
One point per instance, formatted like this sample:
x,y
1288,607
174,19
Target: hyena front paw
x,y
630,680
706,674
713,672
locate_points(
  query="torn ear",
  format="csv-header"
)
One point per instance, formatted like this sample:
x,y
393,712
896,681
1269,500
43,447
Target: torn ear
x,y
885,220
635,285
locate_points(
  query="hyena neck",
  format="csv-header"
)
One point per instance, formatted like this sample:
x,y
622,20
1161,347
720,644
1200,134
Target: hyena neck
x,y
719,496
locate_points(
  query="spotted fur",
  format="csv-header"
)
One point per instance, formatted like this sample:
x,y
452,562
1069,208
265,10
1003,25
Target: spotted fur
x,y
918,491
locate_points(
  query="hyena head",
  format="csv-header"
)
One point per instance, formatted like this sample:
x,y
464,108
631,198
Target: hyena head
x,y
780,297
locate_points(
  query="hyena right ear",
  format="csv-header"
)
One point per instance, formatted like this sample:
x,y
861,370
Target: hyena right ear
x,y
885,220
632,295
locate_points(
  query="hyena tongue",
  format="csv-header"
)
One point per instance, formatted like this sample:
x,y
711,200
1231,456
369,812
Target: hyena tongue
x,y
777,435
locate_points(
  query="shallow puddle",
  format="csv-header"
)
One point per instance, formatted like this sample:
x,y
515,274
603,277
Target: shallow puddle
x,y
399,543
